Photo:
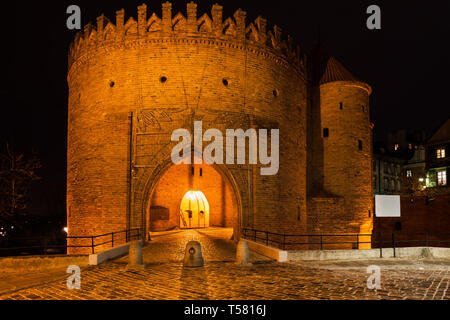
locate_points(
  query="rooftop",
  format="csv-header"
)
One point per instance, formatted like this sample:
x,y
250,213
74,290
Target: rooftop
x,y
326,68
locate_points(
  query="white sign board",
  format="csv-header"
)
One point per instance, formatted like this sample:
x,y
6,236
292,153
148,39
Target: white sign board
x,y
387,206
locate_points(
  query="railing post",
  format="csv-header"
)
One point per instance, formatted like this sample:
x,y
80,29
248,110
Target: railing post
x,y
254,235
321,245
112,239
357,241
393,243
126,235
380,242
267,238
92,244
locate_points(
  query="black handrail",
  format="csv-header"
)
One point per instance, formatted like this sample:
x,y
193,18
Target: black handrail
x,y
128,236
279,239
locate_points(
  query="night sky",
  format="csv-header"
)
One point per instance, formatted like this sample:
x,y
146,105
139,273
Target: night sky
x,y
406,63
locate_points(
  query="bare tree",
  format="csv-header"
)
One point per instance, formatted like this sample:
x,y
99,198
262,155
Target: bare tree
x,y
16,174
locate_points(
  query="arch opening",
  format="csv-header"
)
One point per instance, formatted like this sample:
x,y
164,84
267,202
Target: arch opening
x,y
192,196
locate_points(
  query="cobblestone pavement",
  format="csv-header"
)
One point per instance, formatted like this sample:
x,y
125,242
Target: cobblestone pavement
x,y
163,277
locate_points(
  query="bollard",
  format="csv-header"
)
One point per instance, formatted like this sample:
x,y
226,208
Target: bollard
x,y
193,255
135,254
242,253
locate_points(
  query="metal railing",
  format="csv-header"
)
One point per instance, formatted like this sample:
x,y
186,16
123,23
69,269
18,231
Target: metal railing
x,y
286,241
343,240
396,239
130,234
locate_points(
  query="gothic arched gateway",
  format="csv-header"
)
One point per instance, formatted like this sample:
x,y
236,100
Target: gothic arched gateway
x,y
157,202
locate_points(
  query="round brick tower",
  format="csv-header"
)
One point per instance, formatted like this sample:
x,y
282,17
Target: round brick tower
x,y
131,84
342,148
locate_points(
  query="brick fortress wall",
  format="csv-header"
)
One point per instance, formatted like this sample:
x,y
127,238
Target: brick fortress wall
x,y
340,161
132,83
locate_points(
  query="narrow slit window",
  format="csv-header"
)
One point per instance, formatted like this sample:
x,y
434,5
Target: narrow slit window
x,y
360,145
326,132
341,105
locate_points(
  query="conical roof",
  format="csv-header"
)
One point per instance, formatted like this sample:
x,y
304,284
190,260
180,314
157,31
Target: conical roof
x,y
325,68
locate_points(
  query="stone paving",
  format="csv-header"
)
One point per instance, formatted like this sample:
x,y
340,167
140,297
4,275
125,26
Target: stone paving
x,y
164,277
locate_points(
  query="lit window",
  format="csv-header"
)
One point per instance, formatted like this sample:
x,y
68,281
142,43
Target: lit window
x,y
442,178
396,147
410,146
440,153
408,173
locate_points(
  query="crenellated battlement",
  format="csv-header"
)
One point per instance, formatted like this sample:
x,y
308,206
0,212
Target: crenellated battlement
x,y
233,31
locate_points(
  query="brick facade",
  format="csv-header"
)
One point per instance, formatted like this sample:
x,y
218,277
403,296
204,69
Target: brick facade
x,y
131,84
419,215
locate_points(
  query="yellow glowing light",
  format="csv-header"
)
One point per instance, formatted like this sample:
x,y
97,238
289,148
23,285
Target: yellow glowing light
x,y
65,229
194,210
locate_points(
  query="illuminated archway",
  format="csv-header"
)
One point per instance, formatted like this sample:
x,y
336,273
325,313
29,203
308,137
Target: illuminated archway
x,y
194,210
164,203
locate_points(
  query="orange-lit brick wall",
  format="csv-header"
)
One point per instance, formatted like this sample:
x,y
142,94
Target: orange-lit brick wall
x,y
132,83
341,162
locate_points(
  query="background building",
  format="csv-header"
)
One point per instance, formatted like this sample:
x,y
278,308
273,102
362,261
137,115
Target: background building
x,y
425,196
414,172
387,171
438,158
399,163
